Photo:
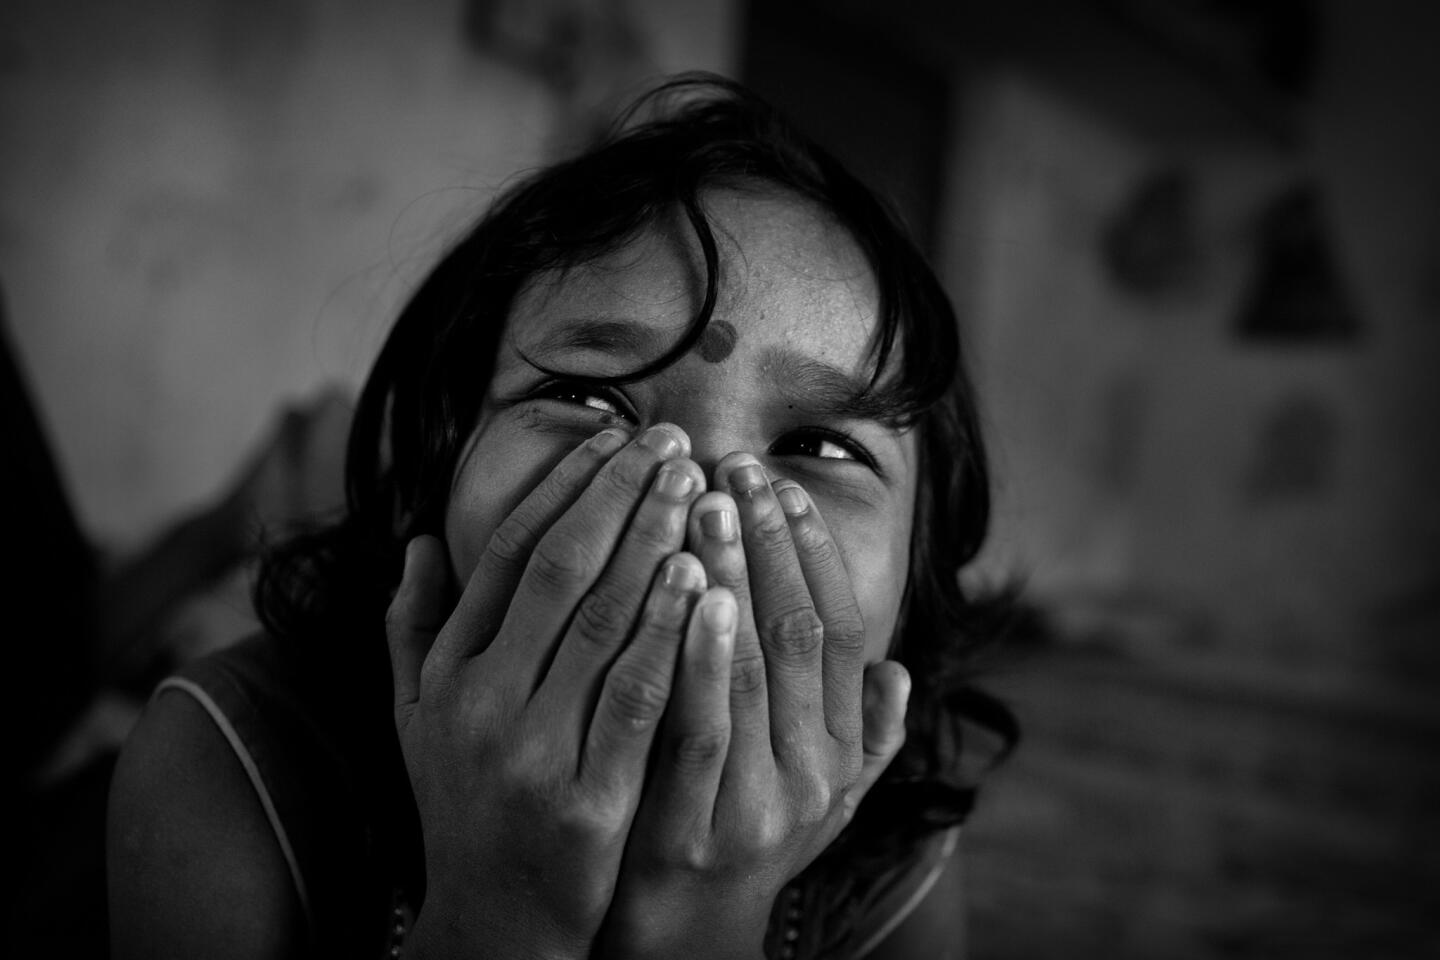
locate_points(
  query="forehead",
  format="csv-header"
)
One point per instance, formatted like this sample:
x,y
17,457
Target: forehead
x,y
789,277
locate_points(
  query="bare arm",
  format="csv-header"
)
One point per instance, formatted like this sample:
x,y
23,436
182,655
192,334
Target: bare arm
x,y
194,868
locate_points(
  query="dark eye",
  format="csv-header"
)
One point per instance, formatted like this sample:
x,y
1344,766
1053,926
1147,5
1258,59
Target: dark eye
x,y
599,398
824,444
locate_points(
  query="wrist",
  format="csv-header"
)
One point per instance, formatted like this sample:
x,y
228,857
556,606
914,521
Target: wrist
x,y
441,934
660,928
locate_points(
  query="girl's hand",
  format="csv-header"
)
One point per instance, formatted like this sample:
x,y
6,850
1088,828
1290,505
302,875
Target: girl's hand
x,y
774,733
527,713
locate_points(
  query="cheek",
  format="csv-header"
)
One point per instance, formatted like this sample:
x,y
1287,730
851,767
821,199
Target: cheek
x,y
876,550
497,472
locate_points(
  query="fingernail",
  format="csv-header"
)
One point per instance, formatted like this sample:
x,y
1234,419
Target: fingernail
x,y
792,499
607,442
747,478
718,615
681,576
718,524
663,441
673,482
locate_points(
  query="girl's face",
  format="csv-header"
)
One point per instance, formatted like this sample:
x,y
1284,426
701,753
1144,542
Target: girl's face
x,y
787,344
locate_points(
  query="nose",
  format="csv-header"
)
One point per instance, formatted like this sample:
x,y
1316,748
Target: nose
x,y
714,429
708,456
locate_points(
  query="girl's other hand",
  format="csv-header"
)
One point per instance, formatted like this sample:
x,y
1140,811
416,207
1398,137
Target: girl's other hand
x,y
527,712
775,732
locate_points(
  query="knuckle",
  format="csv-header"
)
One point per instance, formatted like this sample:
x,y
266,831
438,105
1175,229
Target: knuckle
x,y
846,634
815,800
433,677
658,534
663,617
747,674
522,769
551,496
567,477
849,733
587,818
700,749
796,633
636,696
710,672
626,476
770,830
809,537
693,853
483,717
770,529
562,562
600,619
513,540
726,568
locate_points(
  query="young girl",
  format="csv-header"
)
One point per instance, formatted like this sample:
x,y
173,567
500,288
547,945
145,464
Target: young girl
x,y
641,635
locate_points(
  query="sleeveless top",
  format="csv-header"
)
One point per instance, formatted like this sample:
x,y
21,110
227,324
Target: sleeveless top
x,y
352,908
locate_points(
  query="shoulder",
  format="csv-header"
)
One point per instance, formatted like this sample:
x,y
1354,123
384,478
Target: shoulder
x,y
246,802
924,914
195,866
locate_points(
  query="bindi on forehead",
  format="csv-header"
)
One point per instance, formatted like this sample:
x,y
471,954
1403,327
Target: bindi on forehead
x,y
717,342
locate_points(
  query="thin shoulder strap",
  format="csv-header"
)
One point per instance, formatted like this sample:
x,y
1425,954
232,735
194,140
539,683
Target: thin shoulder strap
x,y
252,771
255,698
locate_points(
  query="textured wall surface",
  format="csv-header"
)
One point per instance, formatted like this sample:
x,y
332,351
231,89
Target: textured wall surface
x,y
209,208
1232,729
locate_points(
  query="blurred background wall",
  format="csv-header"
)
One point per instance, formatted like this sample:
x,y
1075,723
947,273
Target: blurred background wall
x,y
1197,249
207,208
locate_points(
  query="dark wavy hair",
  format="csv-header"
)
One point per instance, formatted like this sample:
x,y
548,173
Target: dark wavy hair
x,y
326,591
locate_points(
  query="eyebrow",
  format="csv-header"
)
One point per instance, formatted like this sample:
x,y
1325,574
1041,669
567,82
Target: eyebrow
x,y
817,387
807,384
601,334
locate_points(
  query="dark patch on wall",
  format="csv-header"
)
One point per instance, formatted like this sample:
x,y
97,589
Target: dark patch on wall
x,y
1149,245
864,98
1294,452
1297,294
591,55
1262,44
1406,626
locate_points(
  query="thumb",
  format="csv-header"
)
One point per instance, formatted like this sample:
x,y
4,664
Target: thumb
x,y
415,616
887,694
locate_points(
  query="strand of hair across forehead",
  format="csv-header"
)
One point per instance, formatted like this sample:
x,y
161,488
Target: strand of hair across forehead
x,y
795,162
687,194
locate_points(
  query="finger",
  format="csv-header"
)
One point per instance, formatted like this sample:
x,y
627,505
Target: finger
x,y
573,553
607,614
843,652
486,596
637,687
695,735
714,537
887,695
415,617
791,633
